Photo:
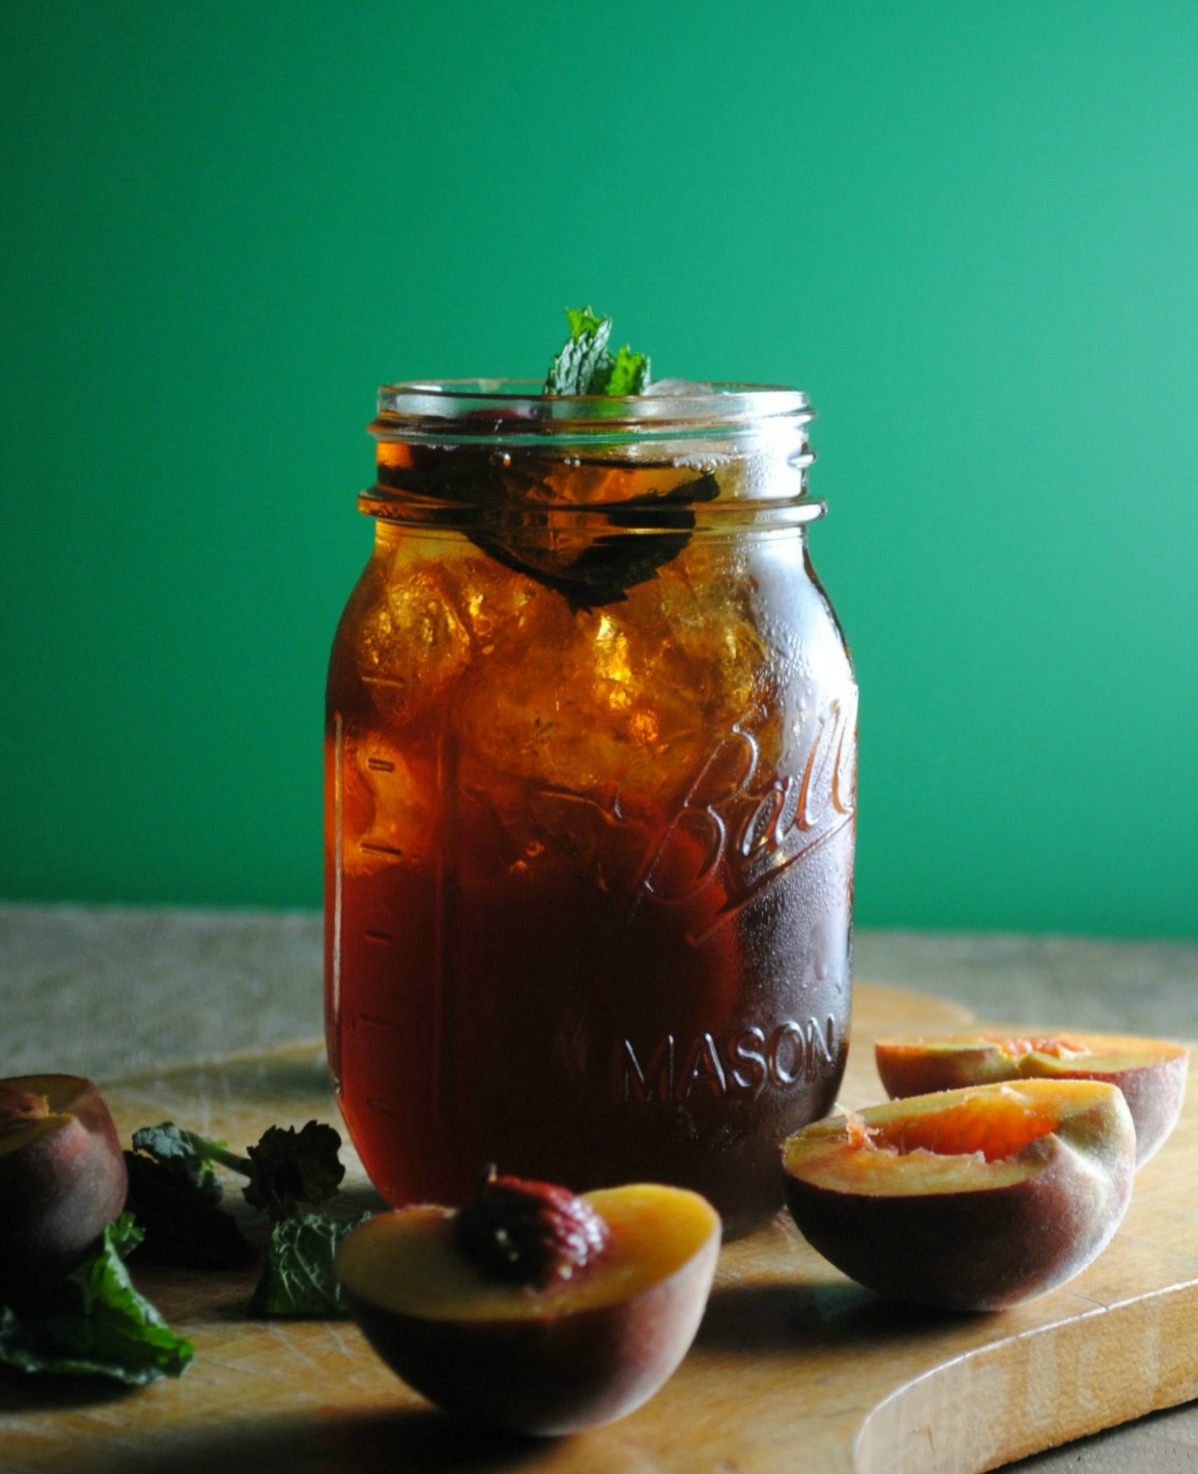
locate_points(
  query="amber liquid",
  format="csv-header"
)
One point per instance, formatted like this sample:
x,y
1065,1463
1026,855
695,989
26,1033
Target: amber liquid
x,y
588,873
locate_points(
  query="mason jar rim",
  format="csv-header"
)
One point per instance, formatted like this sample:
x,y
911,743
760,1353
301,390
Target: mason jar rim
x,y
422,407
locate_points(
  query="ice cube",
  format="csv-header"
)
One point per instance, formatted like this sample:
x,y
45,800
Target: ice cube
x,y
570,701
669,388
411,641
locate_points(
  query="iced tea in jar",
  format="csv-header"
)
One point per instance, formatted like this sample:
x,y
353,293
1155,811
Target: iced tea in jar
x,y
591,756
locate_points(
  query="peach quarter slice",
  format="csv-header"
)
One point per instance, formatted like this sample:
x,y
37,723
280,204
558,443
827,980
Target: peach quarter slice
x,y
62,1177
582,1351
1151,1073
967,1199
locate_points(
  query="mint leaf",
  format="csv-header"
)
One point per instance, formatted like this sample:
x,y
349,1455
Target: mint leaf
x,y
290,1168
629,373
586,365
124,1235
584,358
181,1156
96,1324
182,1227
175,1194
583,320
298,1278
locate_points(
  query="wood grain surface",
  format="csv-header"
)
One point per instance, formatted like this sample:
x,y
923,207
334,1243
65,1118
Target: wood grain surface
x,y
795,1368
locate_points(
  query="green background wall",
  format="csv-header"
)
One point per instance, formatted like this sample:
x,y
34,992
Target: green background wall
x,y
969,230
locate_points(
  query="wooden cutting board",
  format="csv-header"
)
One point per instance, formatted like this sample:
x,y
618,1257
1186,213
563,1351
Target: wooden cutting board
x,y
794,1367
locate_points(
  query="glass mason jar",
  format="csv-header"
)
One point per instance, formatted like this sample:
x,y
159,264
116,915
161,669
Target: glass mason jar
x,y
591,757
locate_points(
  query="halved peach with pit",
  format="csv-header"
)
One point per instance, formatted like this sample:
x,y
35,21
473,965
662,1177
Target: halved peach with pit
x,y
536,1311
1151,1073
968,1199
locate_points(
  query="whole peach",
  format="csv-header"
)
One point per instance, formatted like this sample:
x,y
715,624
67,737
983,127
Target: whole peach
x,y
62,1178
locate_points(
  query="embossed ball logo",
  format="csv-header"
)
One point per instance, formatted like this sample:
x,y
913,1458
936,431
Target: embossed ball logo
x,y
741,829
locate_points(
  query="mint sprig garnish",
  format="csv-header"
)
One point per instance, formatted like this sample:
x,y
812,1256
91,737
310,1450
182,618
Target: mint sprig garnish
x,y
508,503
586,364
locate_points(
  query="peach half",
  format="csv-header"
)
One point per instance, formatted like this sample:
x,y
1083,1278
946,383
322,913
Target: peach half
x,y
62,1178
581,1350
1150,1072
966,1199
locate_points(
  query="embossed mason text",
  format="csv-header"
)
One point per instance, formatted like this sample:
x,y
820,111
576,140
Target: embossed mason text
x,y
741,1064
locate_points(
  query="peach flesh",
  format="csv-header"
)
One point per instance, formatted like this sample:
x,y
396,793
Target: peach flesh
x,y
584,1351
1151,1073
970,1199
62,1178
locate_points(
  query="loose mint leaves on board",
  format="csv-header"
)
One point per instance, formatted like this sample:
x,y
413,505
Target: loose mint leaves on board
x,y
292,1176
95,1323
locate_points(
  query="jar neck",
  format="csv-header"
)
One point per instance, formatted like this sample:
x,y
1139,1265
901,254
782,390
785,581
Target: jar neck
x,y
730,453
512,409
